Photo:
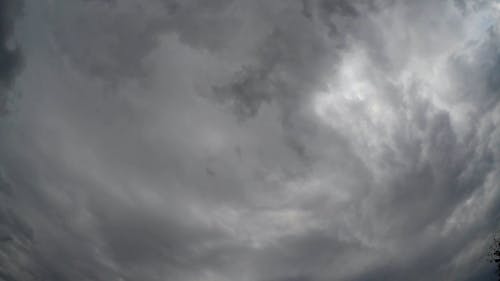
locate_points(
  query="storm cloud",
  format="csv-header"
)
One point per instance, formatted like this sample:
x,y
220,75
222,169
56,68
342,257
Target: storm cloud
x,y
302,140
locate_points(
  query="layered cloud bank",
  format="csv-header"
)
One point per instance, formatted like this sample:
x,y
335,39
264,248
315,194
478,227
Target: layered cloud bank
x,y
249,140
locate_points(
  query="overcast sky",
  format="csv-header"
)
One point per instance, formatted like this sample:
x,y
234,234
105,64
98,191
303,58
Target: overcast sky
x,y
249,140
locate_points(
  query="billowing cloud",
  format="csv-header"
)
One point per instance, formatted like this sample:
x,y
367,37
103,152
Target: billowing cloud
x,y
252,140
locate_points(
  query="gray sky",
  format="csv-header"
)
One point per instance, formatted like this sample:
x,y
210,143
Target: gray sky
x,y
301,140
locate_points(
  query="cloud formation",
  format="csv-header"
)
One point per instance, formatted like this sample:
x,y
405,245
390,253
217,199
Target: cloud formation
x,y
252,140
10,53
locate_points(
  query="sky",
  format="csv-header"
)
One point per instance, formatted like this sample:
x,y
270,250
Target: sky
x,y
236,140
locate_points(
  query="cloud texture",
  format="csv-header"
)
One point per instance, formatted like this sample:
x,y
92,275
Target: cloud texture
x,y
249,140
10,53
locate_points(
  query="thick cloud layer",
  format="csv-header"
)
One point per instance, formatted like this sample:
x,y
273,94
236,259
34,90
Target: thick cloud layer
x,y
252,140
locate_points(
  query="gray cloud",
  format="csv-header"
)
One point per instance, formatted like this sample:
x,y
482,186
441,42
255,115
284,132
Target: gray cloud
x,y
111,39
252,140
10,54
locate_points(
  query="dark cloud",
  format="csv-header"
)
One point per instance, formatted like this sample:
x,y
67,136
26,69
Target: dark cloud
x,y
252,140
289,62
10,53
111,39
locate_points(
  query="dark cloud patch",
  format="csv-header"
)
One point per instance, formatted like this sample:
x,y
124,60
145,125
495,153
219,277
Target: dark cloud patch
x,y
361,142
289,62
102,42
246,94
16,237
111,40
10,53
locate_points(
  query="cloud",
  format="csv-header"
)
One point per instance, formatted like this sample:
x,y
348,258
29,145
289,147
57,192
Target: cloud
x,y
10,54
111,39
294,140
